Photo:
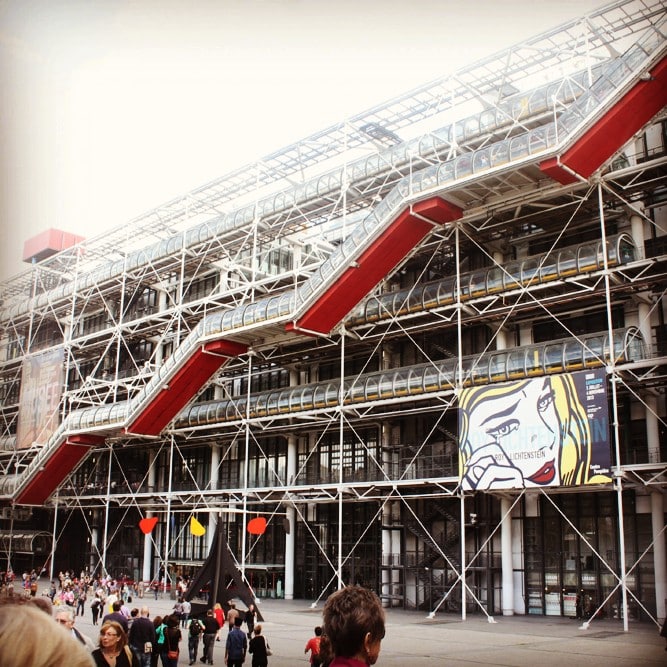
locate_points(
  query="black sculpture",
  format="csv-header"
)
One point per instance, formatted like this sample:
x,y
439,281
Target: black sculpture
x,y
223,577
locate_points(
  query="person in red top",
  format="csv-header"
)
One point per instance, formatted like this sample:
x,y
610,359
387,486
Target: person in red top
x,y
313,646
219,614
353,628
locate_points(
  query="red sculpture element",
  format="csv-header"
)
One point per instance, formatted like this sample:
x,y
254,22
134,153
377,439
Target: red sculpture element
x,y
147,525
257,526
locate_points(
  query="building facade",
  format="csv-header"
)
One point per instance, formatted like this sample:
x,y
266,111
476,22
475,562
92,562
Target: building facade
x,y
345,340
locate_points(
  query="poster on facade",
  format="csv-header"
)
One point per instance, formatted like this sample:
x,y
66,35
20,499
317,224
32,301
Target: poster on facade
x,y
41,388
548,431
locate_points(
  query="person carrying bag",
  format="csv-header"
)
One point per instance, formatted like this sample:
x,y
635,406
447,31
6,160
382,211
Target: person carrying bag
x,y
259,648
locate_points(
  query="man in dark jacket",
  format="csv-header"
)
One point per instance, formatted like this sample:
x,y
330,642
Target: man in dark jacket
x,y
250,615
142,637
117,615
236,646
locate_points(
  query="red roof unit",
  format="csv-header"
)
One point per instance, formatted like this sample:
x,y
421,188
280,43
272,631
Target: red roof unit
x,y
47,243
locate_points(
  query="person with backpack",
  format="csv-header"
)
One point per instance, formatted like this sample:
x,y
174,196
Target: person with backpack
x,y
195,631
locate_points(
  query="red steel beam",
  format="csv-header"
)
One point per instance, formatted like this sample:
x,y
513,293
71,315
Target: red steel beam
x,y
397,241
616,127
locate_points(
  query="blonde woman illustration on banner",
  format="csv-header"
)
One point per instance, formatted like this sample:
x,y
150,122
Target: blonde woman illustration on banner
x,y
534,433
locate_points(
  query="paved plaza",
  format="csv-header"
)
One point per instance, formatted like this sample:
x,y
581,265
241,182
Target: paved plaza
x,y
413,640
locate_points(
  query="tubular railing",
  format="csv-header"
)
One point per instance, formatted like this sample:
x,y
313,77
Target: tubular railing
x,y
565,355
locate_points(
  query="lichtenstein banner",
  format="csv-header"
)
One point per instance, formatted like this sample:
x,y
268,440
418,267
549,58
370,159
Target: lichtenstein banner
x,y
548,431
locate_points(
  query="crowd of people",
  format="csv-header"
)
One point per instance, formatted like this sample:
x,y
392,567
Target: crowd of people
x,y
350,636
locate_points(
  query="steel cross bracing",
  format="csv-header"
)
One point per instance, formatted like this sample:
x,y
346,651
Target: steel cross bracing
x,y
381,490
188,256
162,314
460,195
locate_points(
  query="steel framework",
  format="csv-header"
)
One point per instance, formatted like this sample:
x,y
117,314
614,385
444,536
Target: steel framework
x,y
285,319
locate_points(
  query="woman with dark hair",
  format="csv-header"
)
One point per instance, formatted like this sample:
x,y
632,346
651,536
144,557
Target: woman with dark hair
x,y
172,637
353,628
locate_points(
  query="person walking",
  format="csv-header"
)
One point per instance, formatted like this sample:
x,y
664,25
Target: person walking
x,y
259,648
313,645
236,646
81,601
185,614
142,637
172,637
211,628
219,613
159,636
195,631
178,610
96,609
232,615
250,615
53,591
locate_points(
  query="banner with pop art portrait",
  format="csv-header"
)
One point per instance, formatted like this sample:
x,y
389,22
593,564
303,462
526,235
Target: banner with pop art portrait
x,y
538,432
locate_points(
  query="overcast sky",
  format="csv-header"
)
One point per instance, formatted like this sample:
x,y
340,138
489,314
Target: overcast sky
x,y
109,108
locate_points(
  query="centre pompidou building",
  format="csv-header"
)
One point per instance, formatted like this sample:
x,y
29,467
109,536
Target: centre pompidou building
x,y
423,349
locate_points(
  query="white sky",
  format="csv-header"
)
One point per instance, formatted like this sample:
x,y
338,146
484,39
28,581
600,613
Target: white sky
x,y
109,108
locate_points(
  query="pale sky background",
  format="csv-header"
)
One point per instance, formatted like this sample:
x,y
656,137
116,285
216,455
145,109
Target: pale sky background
x,y
111,108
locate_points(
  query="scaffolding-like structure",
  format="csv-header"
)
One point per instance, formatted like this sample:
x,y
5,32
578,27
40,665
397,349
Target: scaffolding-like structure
x,y
291,341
